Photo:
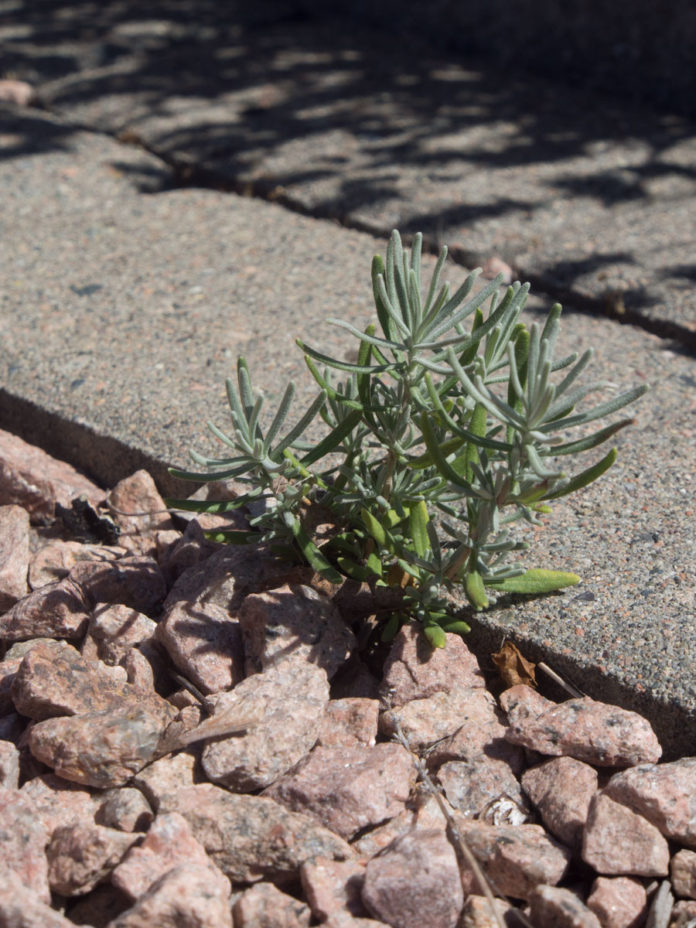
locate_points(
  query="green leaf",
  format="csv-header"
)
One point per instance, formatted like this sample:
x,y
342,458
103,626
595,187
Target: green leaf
x,y
214,505
333,439
391,628
535,581
584,478
457,628
448,472
374,527
418,527
435,635
475,590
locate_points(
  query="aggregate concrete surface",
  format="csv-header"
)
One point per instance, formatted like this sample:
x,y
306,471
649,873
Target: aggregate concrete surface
x,y
127,297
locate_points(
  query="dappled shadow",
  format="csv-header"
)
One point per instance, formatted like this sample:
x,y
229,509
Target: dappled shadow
x,y
336,120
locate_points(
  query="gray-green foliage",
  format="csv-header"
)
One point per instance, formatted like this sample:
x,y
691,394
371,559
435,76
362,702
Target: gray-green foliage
x,y
441,437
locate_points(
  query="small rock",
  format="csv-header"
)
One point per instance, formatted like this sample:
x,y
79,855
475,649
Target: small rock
x,y
184,896
349,721
59,610
18,92
562,789
523,703
9,765
477,913
102,748
265,906
288,699
58,802
8,672
54,680
293,622
22,907
349,788
473,787
333,886
515,858
14,554
82,855
345,920
618,902
125,809
416,670
34,480
553,907
425,721
594,732
134,581
204,642
168,843
683,872
113,631
164,776
683,914
138,494
415,882
664,794
618,841
55,560
252,838
482,732
493,266
23,839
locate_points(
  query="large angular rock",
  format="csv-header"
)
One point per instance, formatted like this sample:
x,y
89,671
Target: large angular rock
x,y
297,623
14,555
416,670
204,642
135,581
185,896
561,789
125,809
166,775
23,839
352,720
82,855
288,698
34,480
482,732
618,841
54,679
333,886
58,610
618,902
554,907
113,631
22,907
168,844
253,838
55,560
683,873
426,721
138,494
102,748
594,732
664,794
58,802
414,882
475,787
515,858
349,788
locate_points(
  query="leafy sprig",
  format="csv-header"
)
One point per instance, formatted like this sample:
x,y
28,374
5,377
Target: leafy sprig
x,y
439,438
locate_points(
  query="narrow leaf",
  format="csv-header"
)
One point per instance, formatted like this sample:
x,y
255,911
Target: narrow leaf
x,y
584,478
535,582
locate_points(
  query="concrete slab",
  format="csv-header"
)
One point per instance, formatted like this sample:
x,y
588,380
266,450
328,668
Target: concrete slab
x,y
122,312
591,200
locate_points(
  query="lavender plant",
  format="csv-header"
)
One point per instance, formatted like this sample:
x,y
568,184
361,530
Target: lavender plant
x,y
441,436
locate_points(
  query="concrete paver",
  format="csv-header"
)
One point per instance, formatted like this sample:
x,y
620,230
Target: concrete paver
x,y
591,200
123,312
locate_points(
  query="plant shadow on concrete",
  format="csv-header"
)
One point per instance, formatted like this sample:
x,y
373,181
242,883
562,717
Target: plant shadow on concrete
x,y
446,433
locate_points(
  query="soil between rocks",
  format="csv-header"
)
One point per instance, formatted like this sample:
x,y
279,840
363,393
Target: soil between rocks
x,y
193,728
